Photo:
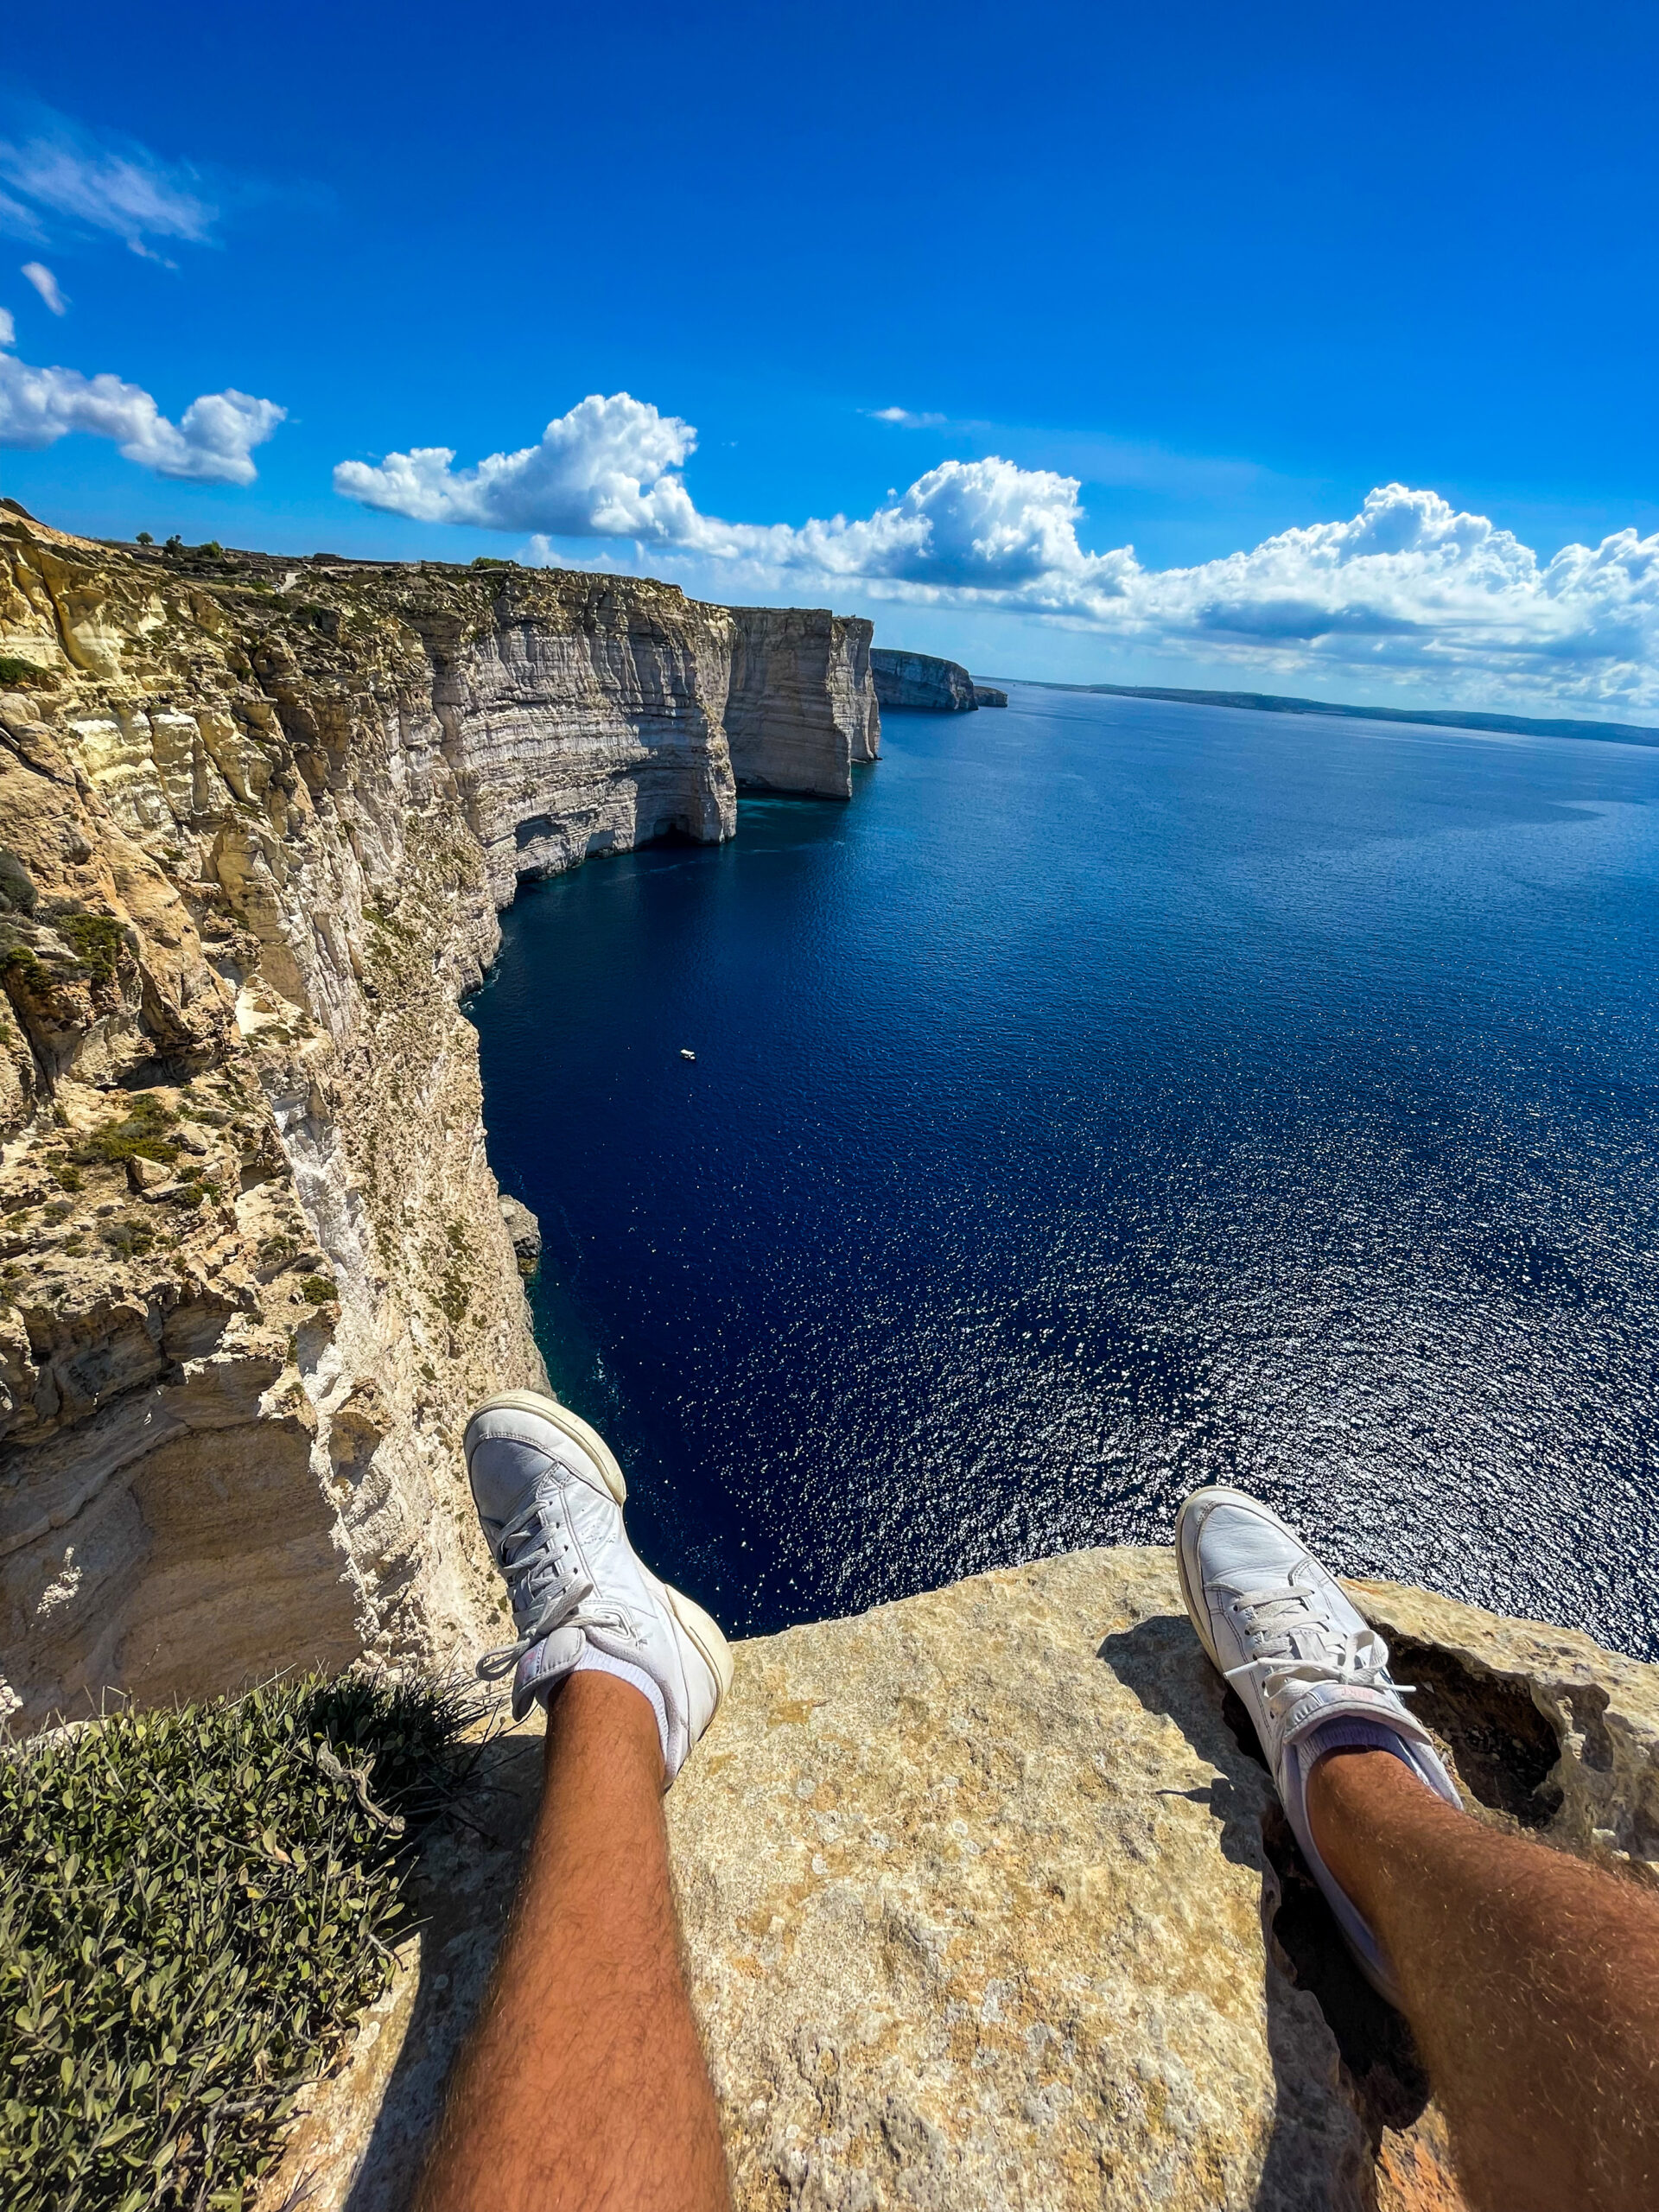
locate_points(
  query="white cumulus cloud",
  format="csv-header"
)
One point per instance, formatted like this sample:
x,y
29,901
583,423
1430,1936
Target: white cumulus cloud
x,y
1409,590
1409,586
62,176
211,443
907,419
604,470
47,285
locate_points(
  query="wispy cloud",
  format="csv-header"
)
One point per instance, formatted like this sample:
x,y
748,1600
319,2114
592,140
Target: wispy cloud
x,y
63,181
1135,464
47,285
1408,589
1097,457
211,443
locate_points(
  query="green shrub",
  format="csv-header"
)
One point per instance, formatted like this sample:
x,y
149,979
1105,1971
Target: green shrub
x,y
194,1906
128,1239
318,1289
95,939
141,1134
21,961
14,671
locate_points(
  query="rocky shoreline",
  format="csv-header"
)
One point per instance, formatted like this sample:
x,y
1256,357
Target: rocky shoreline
x,y
259,817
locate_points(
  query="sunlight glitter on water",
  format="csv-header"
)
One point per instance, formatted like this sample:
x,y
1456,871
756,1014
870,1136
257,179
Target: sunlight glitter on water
x,y
1115,1097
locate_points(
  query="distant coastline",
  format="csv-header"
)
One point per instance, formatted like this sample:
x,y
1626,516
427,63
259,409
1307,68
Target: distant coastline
x,y
1267,703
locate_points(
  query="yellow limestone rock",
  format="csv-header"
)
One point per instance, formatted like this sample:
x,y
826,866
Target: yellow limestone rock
x,y
989,1905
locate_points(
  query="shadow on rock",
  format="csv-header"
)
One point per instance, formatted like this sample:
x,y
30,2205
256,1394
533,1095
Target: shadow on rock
x,y
462,1892
1162,1661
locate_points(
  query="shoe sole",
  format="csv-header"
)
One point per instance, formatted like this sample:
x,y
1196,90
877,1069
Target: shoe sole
x,y
1196,1611
568,1424
703,1633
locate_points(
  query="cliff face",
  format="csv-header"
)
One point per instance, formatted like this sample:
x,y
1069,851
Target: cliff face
x,y
801,708
917,681
258,818
989,1906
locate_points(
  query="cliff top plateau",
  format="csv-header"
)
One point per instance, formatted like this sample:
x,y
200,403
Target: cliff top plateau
x,y
989,1905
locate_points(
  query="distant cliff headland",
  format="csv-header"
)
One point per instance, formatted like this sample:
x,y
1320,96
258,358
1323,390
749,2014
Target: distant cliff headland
x,y
257,817
917,683
1270,703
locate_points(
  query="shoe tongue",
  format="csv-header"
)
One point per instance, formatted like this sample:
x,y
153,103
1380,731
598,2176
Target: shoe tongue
x,y
1247,1551
504,1473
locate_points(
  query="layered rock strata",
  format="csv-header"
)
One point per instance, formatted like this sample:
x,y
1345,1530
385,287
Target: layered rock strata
x,y
989,1906
918,682
801,710
257,817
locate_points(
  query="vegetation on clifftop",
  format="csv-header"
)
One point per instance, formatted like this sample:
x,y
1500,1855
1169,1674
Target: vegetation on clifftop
x,y
194,1906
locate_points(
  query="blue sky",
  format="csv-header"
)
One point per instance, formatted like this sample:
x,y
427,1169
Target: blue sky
x,y
1204,284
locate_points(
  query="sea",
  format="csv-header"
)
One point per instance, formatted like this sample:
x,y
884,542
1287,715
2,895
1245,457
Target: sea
x,y
1115,1096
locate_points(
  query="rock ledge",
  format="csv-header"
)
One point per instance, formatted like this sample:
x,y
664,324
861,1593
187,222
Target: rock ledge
x,y
989,1905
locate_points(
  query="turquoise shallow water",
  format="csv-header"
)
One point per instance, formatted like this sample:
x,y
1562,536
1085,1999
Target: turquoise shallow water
x,y
1115,1096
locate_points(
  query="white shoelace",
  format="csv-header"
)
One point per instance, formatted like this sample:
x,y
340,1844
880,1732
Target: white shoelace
x,y
535,1573
1292,1648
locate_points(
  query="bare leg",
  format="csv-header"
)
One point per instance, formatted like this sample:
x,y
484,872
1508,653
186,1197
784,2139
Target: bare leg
x,y
584,2087
1531,1981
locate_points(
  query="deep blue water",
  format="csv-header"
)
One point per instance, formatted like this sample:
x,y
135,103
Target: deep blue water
x,y
1115,1097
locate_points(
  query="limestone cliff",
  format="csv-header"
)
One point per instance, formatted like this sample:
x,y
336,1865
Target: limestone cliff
x,y
257,817
801,710
989,1906
920,683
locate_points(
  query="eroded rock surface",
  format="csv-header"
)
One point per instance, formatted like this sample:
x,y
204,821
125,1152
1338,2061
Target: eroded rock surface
x,y
989,1905
257,817
525,1232
801,711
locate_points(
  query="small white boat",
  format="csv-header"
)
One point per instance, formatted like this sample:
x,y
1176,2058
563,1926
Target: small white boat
x,y
686,1052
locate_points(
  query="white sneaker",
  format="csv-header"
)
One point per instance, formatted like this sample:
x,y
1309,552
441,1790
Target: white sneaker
x,y
1312,1672
549,1495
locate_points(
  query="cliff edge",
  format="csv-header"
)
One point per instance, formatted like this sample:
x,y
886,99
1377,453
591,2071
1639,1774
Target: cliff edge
x,y
989,1906
920,683
257,817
